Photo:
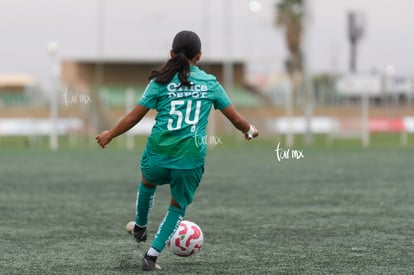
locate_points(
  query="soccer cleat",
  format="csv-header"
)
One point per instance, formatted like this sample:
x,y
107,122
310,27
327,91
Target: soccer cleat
x,y
149,264
140,234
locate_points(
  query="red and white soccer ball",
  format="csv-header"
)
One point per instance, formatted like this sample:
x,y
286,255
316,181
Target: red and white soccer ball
x,y
187,240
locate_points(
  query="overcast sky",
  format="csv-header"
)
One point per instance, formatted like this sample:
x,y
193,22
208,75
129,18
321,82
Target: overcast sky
x,y
135,29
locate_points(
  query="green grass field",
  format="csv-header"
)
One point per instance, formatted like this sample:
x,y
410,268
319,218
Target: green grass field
x,y
341,210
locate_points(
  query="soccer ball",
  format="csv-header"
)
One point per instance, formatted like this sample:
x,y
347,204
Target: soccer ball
x,y
187,240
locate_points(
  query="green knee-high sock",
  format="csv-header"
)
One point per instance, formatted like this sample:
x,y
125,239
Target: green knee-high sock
x,y
168,227
145,200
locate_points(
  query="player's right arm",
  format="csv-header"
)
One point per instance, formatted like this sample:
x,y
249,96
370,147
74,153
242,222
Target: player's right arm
x,y
122,126
240,122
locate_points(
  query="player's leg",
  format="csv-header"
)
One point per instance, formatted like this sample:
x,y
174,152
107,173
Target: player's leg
x,y
144,203
183,185
145,200
152,175
168,226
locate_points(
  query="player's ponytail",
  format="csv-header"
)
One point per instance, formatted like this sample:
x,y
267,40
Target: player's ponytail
x,y
177,64
186,45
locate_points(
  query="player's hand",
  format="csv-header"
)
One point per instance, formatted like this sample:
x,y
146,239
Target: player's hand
x,y
253,133
103,139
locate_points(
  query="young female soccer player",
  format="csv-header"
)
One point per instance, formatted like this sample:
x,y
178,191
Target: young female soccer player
x,y
183,95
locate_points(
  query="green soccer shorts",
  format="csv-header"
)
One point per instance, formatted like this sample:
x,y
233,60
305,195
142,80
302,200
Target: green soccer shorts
x,y
183,182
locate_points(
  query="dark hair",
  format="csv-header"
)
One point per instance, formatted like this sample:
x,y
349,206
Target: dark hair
x,y
186,45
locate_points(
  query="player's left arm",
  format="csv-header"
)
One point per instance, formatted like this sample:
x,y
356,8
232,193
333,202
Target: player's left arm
x,y
126,123
240,122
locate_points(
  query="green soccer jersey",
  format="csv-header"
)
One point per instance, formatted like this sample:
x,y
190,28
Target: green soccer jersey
x,y
182,117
